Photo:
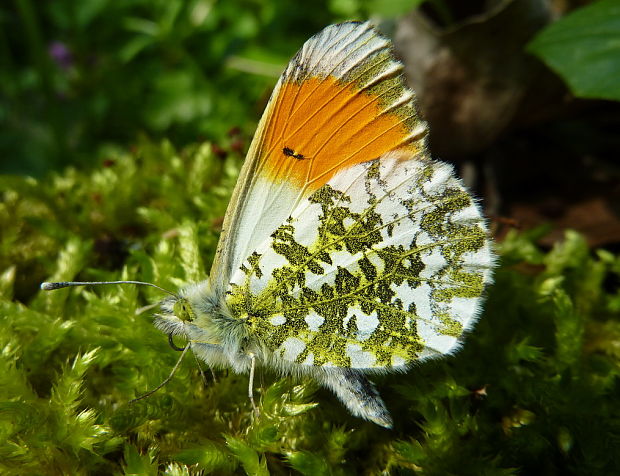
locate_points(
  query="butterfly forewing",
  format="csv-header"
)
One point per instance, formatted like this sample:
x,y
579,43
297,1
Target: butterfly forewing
x,y
341,101
384,264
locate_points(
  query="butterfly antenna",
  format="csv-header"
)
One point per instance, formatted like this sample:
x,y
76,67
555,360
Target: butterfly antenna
x,y
52,286
148,307
161,385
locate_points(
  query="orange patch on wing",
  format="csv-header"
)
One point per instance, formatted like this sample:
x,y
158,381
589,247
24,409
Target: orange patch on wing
x,y
325,127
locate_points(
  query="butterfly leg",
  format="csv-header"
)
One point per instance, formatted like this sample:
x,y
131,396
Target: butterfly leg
x,y
358,394
163,384
251,384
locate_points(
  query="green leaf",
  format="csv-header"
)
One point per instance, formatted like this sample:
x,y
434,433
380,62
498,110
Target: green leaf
x,y
522,350
133,47
393,7
308,464
174,469
584,49
138,464
209,457
7,281
252,464
569,325
410,451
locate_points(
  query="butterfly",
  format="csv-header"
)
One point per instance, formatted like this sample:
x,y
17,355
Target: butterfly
x,y
346,251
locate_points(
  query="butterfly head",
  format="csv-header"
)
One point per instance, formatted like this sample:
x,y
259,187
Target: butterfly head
x,y
183,310
197,314
186,312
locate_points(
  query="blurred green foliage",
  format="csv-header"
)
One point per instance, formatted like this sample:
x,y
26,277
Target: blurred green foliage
x,y
76,76
533,391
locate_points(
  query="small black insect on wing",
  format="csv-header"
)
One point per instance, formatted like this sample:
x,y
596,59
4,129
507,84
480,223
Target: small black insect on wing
x,y
291,153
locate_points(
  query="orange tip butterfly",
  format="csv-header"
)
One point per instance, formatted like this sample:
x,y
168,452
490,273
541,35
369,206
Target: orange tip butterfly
x,y
346,251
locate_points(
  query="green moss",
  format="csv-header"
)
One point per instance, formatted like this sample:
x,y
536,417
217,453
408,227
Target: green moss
x,y
534,390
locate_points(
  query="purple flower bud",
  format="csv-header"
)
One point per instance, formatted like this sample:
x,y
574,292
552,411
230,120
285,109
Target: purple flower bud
x,y
61,54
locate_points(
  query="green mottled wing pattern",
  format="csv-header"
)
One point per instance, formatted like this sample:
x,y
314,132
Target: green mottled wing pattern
x,y
383,265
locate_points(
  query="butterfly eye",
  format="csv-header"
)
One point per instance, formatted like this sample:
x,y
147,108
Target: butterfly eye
x,y
183,311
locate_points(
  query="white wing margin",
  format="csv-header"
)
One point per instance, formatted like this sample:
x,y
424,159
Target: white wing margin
x,y
335,51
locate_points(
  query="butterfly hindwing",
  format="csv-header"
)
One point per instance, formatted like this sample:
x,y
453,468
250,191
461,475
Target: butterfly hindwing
x,y
384,264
